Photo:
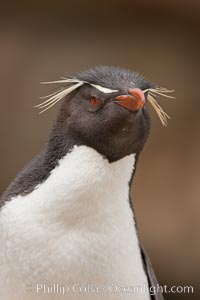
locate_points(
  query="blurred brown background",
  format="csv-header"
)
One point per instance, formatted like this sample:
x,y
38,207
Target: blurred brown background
x,y
44,40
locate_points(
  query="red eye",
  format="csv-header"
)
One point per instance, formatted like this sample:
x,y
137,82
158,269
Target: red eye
x,y
95,102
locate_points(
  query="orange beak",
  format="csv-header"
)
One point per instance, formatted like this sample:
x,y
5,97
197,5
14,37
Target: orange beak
x,y
134,101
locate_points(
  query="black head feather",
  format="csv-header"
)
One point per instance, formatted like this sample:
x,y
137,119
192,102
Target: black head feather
x,y
114,78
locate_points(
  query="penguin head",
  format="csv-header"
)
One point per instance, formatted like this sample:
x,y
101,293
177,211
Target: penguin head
x,y
115,123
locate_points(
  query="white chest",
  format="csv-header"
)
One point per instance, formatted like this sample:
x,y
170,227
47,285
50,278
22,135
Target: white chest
x,y
75,229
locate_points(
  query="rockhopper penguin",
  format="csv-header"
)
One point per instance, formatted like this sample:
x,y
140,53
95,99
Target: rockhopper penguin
x,y
66,221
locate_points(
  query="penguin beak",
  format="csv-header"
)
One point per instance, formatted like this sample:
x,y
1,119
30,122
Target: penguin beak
x,y
134,101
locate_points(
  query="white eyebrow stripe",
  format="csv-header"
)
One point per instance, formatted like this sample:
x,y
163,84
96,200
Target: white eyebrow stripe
x,y
103,89
61,81
55,97
75,80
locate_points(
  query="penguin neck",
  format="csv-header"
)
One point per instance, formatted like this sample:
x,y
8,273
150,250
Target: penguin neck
x,y
64,137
